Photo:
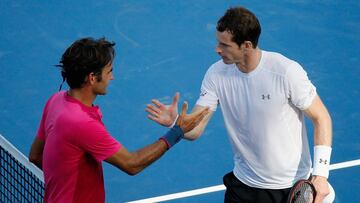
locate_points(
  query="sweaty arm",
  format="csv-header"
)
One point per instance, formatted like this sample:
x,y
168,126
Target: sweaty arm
x,y
134,162
36,152
321,120
199,129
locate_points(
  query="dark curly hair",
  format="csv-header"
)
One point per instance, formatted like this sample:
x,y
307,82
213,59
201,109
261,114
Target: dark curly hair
x,y
242,24
83,57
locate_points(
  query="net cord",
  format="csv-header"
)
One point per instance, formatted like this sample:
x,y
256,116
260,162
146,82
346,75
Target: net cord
x,y
21,158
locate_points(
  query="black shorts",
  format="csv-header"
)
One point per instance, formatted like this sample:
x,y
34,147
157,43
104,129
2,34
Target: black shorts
x,y
238,192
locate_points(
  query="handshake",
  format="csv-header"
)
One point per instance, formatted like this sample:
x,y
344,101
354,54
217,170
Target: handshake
x,y
167,115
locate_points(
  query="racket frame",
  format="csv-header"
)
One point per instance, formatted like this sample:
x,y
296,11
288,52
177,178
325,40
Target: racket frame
x,y
297,185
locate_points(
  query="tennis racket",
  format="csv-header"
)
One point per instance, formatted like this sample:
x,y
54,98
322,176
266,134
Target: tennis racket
x,y
302,192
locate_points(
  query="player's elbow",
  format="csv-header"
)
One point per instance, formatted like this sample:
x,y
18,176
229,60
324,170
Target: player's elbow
x,y
192,135
190,138
36,152
126,162
35,160
129,169
133,167
131,172
32,159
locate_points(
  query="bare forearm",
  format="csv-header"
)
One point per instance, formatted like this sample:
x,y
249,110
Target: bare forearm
x,y
134,162
194,133
321,120
147,155
323,131
36,152
199,129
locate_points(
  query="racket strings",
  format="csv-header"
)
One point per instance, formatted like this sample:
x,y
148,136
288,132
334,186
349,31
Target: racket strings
x,y
304,194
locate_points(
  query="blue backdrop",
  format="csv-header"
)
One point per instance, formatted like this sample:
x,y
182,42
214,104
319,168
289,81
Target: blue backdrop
x,y
165,46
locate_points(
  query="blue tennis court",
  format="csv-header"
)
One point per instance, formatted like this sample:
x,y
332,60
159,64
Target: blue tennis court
x,y
164,46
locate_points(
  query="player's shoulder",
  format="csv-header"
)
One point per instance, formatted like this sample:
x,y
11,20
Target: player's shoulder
x,y
278,63
57,95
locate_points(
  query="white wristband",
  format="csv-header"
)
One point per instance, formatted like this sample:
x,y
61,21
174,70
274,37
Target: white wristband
x,y
321,162
173,124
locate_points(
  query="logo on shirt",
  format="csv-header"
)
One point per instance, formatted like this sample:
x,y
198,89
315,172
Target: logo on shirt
x,y
265,97
203,93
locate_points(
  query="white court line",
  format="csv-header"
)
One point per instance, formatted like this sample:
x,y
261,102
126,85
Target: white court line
x,y
222,187
345,164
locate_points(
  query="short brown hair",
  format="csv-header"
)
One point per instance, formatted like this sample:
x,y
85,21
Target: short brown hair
x,y
242,24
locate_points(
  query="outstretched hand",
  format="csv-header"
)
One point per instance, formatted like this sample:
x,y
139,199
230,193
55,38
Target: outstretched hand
x,y
187,122
163,114
166,114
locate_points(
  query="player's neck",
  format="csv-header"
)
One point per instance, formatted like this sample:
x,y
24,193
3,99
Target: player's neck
x,y
250,62
83,95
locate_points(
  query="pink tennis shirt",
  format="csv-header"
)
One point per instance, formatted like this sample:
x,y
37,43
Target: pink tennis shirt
x,y
76,142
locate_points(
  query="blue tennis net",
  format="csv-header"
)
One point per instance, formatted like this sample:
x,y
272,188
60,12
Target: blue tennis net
x,y
20,180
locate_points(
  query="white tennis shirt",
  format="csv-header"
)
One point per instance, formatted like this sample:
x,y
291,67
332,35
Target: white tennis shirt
x,y
263,117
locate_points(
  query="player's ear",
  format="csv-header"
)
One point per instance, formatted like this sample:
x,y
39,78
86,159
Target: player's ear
x,y
248,44
92,78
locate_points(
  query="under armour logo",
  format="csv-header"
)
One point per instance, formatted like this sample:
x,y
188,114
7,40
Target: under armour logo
x,y
203,94
323,161
265,96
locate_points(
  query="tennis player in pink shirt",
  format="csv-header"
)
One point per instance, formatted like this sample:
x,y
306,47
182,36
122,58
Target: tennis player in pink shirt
x,y
72,141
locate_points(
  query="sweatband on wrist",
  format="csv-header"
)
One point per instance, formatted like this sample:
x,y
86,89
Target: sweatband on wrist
x,y
321,162
173,124
173,136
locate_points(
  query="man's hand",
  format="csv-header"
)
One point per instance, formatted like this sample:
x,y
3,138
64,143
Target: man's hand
x,y
322,188
189,121
163,114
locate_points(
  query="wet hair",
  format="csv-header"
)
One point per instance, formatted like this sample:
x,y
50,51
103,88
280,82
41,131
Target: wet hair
x,y
83,57
242,24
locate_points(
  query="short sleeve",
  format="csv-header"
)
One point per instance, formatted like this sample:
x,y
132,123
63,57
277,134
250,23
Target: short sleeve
x,y
41,130
95,140
300,90
208,96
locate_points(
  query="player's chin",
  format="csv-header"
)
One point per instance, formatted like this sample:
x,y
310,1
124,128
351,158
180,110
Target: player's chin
x,y
104,92
226,61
